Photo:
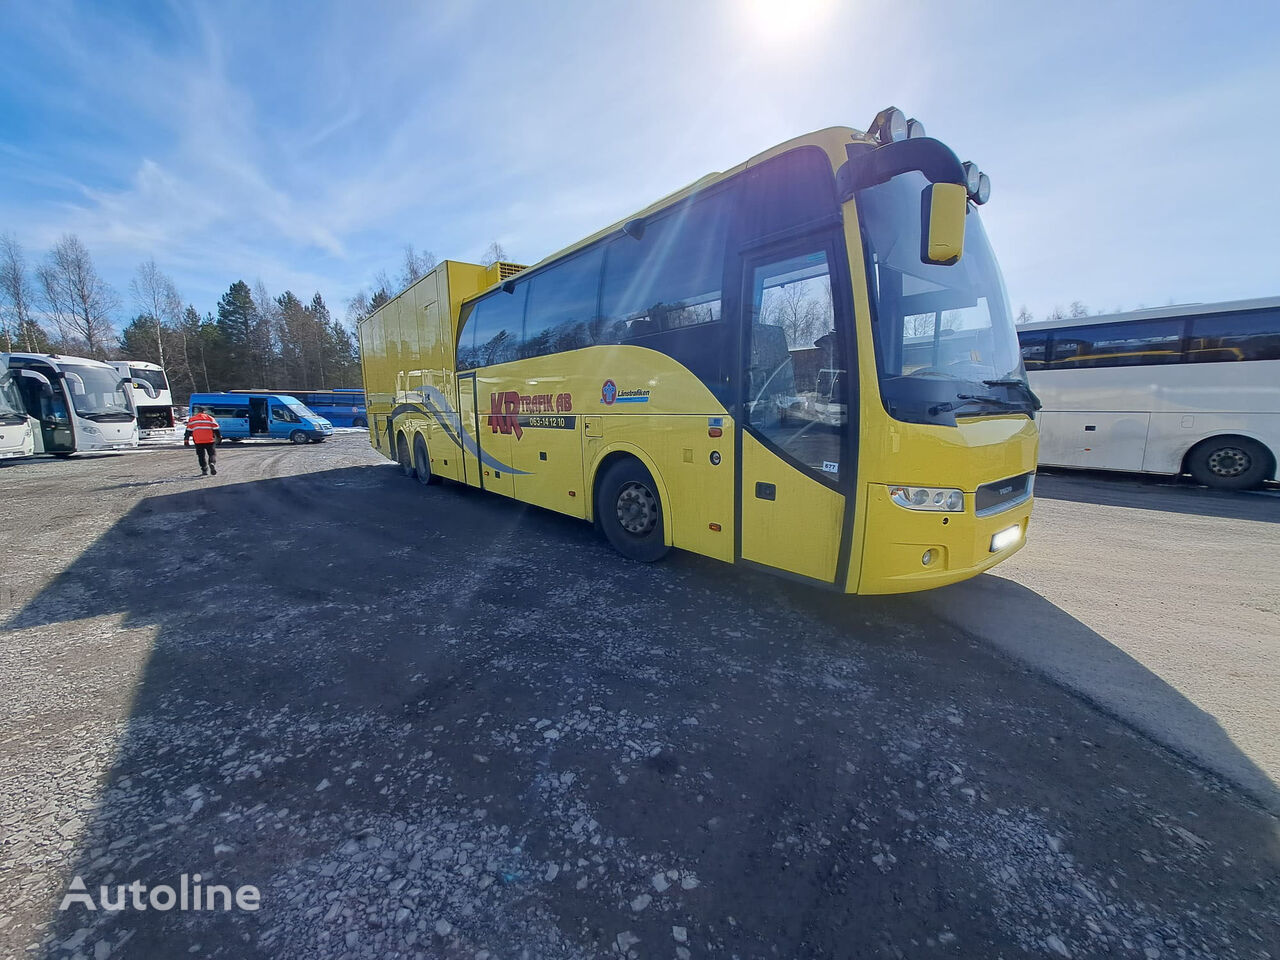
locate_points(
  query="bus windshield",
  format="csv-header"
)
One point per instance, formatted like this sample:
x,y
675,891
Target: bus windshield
x,y
944,336
12,409
97,393
154,377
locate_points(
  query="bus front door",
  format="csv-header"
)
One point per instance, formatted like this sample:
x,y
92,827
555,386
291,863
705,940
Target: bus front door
x,y
55,426
794,474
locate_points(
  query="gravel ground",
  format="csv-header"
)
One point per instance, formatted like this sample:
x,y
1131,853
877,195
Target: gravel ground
x,y
430,722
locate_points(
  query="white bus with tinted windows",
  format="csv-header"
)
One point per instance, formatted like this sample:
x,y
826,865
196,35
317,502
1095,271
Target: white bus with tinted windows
x,y
1186,389
77,404
155,413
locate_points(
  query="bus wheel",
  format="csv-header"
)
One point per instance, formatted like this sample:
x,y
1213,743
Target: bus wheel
x,y
402,456
422,463
299,437
629,511
360,422
1229,463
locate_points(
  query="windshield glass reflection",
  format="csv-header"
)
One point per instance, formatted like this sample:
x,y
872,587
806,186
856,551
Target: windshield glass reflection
x,y
98,394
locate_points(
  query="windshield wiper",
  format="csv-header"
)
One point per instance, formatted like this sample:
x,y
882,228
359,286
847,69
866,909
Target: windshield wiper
x,y
1019,384
970,398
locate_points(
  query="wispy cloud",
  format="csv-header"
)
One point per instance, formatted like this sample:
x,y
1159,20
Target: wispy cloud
x,y
306,146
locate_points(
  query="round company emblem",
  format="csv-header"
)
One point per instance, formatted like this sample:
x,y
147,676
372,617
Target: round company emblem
x,y
608,393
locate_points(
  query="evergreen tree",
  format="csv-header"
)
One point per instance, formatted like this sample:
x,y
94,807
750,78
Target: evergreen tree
x,y
295,341
236,320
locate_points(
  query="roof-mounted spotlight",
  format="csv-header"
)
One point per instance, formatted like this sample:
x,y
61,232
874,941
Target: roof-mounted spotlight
x,y
889,126
983,193
915,129
972,177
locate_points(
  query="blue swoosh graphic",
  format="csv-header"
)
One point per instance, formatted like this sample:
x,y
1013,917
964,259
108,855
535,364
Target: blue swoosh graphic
x,y
437,404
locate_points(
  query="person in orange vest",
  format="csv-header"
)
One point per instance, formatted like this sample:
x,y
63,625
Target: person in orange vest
x,y
203,429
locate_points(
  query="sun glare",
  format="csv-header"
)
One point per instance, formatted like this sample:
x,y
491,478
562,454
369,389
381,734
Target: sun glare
x,y
783,22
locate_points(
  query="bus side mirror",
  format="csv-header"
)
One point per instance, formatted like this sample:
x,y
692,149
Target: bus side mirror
x,y
77,385
46,388
147,388
942,211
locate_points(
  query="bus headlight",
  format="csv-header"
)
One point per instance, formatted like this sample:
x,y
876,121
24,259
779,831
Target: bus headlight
x,y
1005,538
941,499
972,177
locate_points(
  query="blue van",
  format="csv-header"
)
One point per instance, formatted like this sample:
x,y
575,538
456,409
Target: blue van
x,y
243,416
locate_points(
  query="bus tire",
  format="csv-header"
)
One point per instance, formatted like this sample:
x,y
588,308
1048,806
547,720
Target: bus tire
x,y
421,462
299,437
1229,463
629,511
360,422
402,456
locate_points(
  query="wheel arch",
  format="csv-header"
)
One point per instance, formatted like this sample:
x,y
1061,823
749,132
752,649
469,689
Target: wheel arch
x,y
1269,474
610,455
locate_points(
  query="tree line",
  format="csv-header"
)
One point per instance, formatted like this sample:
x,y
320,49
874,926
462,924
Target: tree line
x,y
1075,310
252,339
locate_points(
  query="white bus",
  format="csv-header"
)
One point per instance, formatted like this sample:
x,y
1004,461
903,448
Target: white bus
x,y
78,404
16,427
155,414
1187,389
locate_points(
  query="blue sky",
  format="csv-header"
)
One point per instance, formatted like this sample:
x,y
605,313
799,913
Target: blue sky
x,y
1132,146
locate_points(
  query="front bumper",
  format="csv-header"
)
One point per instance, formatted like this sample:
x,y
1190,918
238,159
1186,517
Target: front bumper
x,y
897,540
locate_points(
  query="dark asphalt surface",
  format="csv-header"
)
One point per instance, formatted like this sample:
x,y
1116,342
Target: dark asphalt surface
x,y
429,721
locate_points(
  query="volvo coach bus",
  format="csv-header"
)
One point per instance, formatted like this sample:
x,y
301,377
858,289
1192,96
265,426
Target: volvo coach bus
x,y
77,403
1187,389
155,413
725,371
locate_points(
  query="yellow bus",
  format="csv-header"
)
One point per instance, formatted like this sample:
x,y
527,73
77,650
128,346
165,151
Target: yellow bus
x,y
724,371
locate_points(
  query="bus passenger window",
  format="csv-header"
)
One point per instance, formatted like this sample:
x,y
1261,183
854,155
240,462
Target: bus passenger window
x,y
663,289
1234,336
562,306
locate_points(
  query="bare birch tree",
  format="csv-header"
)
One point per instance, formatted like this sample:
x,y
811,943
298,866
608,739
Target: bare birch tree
x,y
494,253
15,286
156,297
79,301
416,265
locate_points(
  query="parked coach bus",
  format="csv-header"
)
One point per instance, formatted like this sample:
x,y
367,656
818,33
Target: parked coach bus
x,y
76,403
155,413
17,427
342,407
724,371
262,416
1188,389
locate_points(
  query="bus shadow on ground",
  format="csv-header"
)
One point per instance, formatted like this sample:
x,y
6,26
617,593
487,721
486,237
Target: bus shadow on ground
x,y
1020,622
433,720
1172,495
